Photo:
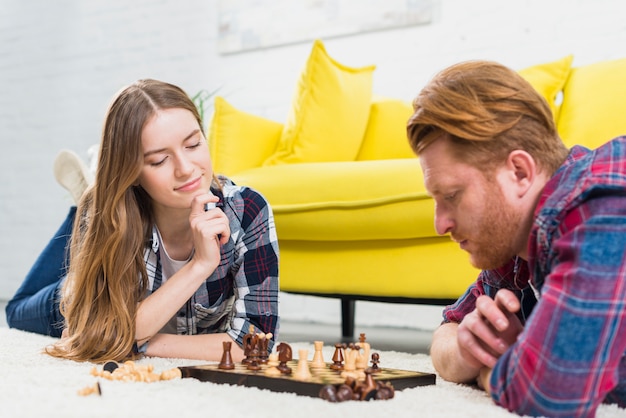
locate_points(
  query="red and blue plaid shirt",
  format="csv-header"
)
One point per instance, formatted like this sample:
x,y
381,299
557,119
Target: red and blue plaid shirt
x,y
571,355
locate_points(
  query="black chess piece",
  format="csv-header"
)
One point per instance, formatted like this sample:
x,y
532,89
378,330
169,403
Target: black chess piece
x,y
284,355
375,360
338,357
227,360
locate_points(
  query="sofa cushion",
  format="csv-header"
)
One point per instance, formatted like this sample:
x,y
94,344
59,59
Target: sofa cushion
x,y
548,79
385,136
342,201
239,140
329,112
593,102
412,268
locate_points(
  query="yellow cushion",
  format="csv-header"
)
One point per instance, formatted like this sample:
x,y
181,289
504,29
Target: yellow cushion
x,y
592,112
239,140
548,79
350,200
328,114
385,136
413,268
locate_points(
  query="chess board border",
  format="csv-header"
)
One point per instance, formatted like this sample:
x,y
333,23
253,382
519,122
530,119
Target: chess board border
x,y
399,379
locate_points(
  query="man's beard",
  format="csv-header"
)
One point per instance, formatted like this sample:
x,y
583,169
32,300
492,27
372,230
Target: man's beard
x,y
493,235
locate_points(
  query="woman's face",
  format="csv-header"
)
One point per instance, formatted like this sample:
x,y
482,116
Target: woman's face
x,y
176,161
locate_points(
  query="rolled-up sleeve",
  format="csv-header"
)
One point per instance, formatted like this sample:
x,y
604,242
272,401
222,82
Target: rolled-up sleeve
x,y
256,269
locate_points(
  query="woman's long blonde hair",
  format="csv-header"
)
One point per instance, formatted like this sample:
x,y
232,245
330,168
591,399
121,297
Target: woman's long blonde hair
x,y
107,277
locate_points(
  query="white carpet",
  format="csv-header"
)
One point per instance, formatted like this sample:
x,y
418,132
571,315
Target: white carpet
x,y
33,384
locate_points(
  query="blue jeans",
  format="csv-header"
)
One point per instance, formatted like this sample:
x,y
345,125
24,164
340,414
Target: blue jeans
x,y
35,306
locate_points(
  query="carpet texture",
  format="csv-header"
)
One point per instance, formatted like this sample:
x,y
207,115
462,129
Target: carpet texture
x,y
33,384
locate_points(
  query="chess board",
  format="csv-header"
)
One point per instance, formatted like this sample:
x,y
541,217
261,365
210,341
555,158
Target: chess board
x,y
241,376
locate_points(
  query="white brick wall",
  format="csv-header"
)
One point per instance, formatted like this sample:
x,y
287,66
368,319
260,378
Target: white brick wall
x,y
62,61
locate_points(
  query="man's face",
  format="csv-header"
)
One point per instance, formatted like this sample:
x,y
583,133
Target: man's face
x,y
470,207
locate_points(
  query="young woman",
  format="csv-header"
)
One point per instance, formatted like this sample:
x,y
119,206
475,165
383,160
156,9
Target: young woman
x,y
166,258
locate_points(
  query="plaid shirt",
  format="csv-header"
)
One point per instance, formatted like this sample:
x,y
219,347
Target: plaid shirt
x,y
571,355
243,290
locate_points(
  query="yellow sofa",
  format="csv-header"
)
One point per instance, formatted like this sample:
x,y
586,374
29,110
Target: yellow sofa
x,y
352,215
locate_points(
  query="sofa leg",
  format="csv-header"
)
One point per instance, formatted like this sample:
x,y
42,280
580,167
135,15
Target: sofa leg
x,y
347,318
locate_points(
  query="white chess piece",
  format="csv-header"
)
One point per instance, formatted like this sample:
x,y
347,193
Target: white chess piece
x,y
302,371
272,362
363,358
318,357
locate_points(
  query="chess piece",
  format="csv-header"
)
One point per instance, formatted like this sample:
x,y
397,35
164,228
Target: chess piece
x,y
90,390
284,356
272,362
355,364
344,393
263,347
349,367
318,358
253,362
110,366
227,360
351,354
328,393
302,371
361,361
375,360
249,342
347,350
337,357
367,389
384,391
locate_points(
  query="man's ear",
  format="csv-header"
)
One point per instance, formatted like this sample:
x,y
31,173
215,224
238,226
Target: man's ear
x,y
523,170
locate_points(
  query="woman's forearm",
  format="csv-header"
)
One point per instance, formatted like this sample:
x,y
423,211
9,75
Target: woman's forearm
x,y
158,308
202,347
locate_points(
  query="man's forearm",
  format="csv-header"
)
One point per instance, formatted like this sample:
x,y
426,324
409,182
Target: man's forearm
x,y
447,358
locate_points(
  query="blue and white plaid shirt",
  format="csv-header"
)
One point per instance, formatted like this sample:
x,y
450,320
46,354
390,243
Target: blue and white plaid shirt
x,y
243,290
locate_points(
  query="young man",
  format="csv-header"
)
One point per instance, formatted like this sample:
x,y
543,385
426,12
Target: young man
x,y
543,328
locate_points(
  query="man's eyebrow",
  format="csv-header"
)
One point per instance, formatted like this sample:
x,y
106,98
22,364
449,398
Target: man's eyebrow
x,y
440,189
156,151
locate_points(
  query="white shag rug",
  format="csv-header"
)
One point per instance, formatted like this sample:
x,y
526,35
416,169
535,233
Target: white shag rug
x,y
33,384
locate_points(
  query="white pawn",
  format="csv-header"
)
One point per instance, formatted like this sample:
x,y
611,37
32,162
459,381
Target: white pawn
x,y
318,358
272,370
302,371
